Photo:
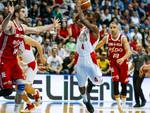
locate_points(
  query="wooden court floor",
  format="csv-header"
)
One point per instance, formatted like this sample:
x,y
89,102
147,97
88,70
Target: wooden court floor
x,y
59,107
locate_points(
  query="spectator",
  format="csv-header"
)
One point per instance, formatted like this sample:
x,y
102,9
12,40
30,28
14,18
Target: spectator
x,y
133,44
63,33
46,47
54,62
1,6
70,45
57,12
135,19
62,51
33,12
125,17
127,33
74,30
68,64
106,17
137,34
103,31
103,63
106,4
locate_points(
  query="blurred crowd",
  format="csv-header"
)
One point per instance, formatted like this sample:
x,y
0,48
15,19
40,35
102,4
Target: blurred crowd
x,y
59,45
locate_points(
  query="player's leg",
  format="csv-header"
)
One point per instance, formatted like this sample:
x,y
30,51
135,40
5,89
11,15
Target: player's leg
x,y
81,77
115,79
123,94
90,85
95,75
124,80
6,88
30,74
20,87
140,91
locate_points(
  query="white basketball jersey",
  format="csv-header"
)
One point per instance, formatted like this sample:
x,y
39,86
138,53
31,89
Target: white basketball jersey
x,y
84,45
26,53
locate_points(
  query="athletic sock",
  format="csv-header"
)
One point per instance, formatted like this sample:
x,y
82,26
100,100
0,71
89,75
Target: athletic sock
x,y
85,97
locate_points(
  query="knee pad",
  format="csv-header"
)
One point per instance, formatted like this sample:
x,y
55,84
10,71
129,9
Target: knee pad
x,y
116,88
20,88
124,89
6,92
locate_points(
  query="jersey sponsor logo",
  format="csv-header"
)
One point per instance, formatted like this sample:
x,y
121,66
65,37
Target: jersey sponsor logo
x,y
115,50
115,44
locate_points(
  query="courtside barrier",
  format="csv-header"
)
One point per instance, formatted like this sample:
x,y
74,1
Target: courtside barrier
x,y
65,88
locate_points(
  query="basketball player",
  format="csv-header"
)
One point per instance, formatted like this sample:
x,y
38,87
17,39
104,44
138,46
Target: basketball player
x,y
86,65
29,66
9,69
118,53
9,43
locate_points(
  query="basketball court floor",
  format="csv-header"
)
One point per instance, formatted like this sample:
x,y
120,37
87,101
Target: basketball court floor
x,y
67,107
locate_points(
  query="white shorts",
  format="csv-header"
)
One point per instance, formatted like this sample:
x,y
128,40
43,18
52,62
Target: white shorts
x,y
30,73
85,69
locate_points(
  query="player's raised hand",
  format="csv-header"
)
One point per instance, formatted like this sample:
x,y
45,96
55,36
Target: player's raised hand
x,y
56,23
10,7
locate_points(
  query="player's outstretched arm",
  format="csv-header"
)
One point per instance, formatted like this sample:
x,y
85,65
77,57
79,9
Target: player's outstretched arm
x,y
6,24
92,27
39,29
101,43
36,44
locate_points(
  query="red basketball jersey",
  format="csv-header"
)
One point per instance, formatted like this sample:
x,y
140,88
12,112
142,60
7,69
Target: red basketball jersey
x,y
115,48
9,44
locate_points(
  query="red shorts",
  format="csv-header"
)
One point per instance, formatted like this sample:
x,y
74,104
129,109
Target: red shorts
x,y
9,72
119,72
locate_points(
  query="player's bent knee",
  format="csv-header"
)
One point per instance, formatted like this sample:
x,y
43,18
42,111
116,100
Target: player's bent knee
x,y
6,92
20,88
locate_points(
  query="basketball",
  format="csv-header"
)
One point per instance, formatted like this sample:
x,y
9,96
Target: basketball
x,y
85,4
